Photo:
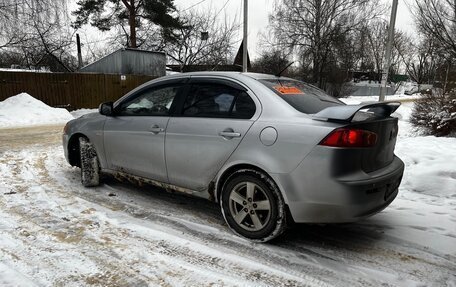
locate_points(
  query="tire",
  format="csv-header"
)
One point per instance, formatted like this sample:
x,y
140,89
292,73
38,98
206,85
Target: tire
x,y
90,170
253,206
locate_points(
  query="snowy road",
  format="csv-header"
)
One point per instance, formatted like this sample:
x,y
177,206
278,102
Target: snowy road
x,y
54,232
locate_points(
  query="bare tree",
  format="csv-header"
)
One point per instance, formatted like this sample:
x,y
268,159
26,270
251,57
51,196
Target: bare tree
x,y
52,38
9,34
363,60
311,27
377,40
42,35
420,60
437,18
203,39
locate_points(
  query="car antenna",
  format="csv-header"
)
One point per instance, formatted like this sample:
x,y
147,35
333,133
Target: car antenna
x,y
284,69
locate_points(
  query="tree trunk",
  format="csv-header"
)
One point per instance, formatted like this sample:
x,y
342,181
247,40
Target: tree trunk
x,y
316,70
132,23
317,45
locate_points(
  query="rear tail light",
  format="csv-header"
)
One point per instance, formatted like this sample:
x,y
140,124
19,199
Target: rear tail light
x,y
346,137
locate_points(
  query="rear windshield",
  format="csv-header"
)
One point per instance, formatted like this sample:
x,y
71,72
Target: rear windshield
x,y
301,96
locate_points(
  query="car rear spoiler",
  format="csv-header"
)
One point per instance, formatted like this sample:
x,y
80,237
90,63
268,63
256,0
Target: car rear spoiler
x,y
345,113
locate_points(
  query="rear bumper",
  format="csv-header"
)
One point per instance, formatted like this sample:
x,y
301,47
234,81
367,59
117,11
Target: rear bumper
x,y
314,194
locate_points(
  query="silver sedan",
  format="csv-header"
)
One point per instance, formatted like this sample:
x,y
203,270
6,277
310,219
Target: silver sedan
x,y
268,149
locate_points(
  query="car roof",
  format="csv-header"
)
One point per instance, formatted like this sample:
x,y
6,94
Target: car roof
x,y
256,76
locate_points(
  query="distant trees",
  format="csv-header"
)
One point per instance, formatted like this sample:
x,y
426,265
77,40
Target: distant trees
x,y
331,38
420,59
319,30
8,32
376,36
271,62
201,39
436,20
434,58
34,33
328,38
134,18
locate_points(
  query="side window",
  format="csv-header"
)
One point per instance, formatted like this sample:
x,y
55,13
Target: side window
x,y
151,102
244,107
218,101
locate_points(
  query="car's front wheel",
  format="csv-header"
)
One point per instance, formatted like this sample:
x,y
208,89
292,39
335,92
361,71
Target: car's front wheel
x,y
253,206
90,170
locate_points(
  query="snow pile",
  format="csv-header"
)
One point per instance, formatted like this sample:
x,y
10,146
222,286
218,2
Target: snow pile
x,y
25,110
430,167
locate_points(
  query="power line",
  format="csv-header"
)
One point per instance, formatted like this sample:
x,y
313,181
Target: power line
x,y
222,8
194,5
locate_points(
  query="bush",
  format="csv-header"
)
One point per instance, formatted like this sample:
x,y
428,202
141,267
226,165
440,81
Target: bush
x,y
436,114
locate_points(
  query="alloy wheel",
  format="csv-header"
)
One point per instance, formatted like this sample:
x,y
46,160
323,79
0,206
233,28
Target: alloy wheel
x,y
250,206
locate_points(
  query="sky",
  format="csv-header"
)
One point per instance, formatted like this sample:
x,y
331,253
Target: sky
x,y
259,11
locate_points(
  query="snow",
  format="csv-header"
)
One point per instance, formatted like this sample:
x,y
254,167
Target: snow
x,y
10,277
81,112
25,110
25,70
362,99
55,232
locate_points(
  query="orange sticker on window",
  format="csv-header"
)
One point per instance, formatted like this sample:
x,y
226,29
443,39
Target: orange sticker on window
x,y
288,90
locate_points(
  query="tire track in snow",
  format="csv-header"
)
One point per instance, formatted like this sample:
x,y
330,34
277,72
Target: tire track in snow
x,y
333,269
328,254
41,229
59,223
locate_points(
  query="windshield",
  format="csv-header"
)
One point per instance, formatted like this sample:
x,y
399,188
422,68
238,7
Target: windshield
x,y
301,96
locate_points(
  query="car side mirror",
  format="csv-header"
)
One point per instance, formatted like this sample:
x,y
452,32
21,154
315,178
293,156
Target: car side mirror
x,y
106,109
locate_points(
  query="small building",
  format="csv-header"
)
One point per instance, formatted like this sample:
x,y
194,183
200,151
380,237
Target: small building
x,y
129,62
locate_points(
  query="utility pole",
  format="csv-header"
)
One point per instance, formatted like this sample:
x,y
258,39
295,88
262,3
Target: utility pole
x,y
244,41
389,45
78,44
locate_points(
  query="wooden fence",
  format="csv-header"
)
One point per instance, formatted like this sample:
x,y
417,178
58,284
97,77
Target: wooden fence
x,y
69,90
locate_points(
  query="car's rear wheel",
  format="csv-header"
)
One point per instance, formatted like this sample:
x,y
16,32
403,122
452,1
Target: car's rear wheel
x,y
90,170
253,206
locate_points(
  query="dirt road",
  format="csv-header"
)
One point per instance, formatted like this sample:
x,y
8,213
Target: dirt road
x,y
20,138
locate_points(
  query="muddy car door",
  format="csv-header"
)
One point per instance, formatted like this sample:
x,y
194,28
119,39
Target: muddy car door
x,y
134,137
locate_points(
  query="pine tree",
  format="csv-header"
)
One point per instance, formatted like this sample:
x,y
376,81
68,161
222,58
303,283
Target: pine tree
x,y
105,14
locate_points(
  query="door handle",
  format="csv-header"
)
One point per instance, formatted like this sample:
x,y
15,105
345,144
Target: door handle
x,y
230,134
156,129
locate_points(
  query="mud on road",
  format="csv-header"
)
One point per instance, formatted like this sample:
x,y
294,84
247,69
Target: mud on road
x,y
20,138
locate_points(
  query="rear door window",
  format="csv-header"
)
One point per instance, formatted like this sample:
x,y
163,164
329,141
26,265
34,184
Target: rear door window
x,y
301,96
219,101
